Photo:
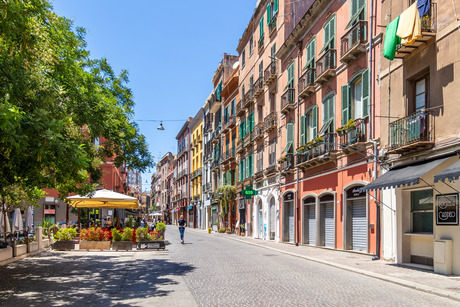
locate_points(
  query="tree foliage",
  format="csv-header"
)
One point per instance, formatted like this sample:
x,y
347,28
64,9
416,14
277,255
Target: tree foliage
x,y
54,101
226,194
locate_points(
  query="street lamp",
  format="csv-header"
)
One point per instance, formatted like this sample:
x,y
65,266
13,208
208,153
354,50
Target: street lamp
x,y
160,127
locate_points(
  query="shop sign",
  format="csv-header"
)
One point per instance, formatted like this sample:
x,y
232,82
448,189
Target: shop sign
x,y
50,211
241,204
355,192
447,209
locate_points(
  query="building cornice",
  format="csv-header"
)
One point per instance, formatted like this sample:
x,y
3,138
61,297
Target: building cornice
x,y
249,28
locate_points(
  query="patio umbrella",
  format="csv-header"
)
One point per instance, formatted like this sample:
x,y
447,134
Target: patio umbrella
x,y
18,225
4,221
104,199
29,218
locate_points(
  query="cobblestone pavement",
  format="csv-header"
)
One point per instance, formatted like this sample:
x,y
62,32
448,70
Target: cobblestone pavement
x,y
231,273
209,270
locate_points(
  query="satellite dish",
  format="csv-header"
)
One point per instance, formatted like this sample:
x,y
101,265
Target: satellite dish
x,y
236,65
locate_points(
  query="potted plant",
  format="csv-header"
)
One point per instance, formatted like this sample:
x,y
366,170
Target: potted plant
x,y
222,230
150,240
95,238
209,230
242,230
122,240
65,239
19,247
32,244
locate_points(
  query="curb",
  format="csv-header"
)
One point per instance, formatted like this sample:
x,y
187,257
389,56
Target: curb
x,y
14,259
394,280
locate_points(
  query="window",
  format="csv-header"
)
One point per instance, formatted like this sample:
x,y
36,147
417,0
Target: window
x,y
329,35
219,91
243,58
226,115
260,159
355,98
250,122
422,211
420,94
309,125
357,10
251,82
310,55
242,129
251,46
232,110
289,139
261,70
328,115
261,29
272,152
290,81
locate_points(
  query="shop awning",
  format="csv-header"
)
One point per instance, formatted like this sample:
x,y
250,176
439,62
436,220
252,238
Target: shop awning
x,y
403,176
450,173
104,199
189,207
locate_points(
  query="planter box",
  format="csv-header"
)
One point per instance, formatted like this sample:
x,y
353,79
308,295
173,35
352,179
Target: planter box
x,y
122,245
19,250
64,245
33,247
151,245
6,253
100,245
46,243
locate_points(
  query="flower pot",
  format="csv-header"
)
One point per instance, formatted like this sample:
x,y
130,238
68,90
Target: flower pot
x,y
33,247
65,245
19,250
46,243
160,244
6,253
99,245
122,245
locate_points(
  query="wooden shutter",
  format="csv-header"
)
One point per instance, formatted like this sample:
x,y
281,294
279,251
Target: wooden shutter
x,y
365,85
275,7
346,110
261,27
354,7
332,32
269,12
290,132
252,120
315,121
233,107
290,83
302,130
251,158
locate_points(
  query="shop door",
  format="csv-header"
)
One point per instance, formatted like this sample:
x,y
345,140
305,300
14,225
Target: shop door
x,y
311,225
272,219
329,225
359,225
291,222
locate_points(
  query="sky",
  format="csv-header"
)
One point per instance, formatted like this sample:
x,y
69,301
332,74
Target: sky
x,y
170,49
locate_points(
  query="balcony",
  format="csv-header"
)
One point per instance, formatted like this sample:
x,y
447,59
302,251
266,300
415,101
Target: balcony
x,y
231,122
429,29
288,101
195,174
271,73
182,173
216,136
261,42
215,103
239,146
247,139
259,175
412,133
207,187
182,150
353,43
270,170
272,25
307,83
258,132
248,98
240,111
325,66
259,87
239,185
270,122
317,153
229,155
207,127
287,164
354,139
215,165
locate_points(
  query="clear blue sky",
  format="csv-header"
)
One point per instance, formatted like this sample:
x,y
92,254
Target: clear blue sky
x,y
170,48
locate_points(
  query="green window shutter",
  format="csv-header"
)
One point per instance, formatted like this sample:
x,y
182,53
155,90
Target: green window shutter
x,y
290,83
315,121
269,12
290,133
302,130
275,7
244,128
345,105
252,120
233,106
365,77
246,173
240,132
354,7
261,27
251,165
332,32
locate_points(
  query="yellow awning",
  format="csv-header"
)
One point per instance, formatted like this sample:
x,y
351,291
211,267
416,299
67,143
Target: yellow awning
x,y
104,199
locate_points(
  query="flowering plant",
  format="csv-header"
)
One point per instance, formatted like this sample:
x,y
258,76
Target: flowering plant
x,y
95,234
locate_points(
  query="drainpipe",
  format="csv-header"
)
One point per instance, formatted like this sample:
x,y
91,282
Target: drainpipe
x,y
372,122
297,200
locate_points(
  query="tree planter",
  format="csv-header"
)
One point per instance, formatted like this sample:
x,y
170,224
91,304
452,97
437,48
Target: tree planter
x,y
19,250
6,253
46,243
99,245
122,245
151,245
64,245
33,247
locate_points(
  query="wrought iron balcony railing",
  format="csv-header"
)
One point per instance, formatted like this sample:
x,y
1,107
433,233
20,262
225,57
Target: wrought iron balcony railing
x,y
258,132
259,87
272,25
353,43
270,122
353,139
288,100
287,164
271,72
317,152
325,66
307,83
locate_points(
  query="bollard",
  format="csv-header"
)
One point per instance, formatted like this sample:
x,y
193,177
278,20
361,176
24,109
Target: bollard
x,y
39,237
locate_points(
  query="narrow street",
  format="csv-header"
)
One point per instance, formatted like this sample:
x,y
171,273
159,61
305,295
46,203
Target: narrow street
x,y
208,270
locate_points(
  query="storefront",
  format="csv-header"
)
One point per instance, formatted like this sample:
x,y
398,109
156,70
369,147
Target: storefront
x,y
327,220
309,220
288,224
190,216
355,219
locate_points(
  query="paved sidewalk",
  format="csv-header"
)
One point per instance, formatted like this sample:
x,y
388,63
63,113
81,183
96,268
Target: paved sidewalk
x,y
420,279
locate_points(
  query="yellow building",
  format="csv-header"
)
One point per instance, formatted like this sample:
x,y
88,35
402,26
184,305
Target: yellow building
x,y
196,128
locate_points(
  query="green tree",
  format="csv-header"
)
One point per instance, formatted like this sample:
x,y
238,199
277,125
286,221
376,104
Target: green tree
x,y
54,102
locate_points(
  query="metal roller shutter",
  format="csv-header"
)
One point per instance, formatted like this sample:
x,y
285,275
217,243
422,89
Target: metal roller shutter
x,y
329,229
291,222
311,225
359,225
272,220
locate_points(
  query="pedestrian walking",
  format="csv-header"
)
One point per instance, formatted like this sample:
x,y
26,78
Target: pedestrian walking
x,y
182,223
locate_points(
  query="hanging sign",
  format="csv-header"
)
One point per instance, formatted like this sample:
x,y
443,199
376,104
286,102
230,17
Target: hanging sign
x,y
447,209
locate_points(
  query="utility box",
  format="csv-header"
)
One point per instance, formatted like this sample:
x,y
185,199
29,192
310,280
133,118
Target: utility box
x,y
443,257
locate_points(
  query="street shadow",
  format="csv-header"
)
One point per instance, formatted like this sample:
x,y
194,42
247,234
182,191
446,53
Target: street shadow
x,y
55,278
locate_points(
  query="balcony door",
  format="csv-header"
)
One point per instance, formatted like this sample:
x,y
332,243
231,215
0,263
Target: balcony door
x,y
357,98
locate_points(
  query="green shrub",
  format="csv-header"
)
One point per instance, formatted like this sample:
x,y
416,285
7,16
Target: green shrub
x,y
66,234
142,234
116,235
222,230
127,234
160,227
